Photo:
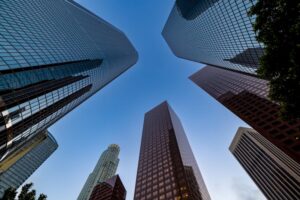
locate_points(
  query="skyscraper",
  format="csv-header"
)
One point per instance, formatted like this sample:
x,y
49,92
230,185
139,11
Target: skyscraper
x,y
247,97
18,167
167,167
214,32
219,33
105,169
111,189
277,176
53,56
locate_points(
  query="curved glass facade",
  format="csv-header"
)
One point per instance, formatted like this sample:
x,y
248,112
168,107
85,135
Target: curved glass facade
x,y
214,32
53,56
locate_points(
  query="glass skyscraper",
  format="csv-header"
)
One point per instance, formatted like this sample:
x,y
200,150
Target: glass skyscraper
x,y
214,32
167,166
105,169
18,167
53,56
219,33
277,176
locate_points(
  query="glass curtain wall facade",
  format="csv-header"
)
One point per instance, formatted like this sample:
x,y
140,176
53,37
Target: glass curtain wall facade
x,y
167,167
277,176
247,97
53,56
111,189
214,32
19,167
106,168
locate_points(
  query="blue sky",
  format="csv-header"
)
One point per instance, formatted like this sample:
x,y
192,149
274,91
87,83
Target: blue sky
x,y
115,114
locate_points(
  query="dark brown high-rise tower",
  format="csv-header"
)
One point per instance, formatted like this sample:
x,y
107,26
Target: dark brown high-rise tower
x,y
247,97
111,189
167,167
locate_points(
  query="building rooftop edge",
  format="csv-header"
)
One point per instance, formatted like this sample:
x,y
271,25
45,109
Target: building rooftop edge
x,y
237,137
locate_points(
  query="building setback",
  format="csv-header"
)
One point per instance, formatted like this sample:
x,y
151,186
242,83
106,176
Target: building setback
x,y
246,96
214,32
167,167
277,176
53,56
111,189
18,167
105,169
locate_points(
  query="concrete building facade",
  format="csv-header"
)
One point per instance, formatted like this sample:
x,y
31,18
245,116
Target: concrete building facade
x,y
276,175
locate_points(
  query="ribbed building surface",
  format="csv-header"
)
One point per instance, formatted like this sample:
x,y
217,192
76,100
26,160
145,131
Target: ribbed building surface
x,y
53,56
246,96
277,176
19,167
167,167
105,169
111,189
214,32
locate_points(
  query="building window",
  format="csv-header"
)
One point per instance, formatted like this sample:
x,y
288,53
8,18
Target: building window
x,y
191,9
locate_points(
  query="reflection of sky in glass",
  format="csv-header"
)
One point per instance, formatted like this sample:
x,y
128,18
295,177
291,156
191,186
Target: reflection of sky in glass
x,y
115,114
191,9
25,166
25,76
35,105
219,33
37,58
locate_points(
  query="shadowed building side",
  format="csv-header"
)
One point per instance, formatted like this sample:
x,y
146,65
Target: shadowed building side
x,y
111,189
249,57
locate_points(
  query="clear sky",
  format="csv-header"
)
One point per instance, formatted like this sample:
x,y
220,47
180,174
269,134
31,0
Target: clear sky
x,y
115,114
